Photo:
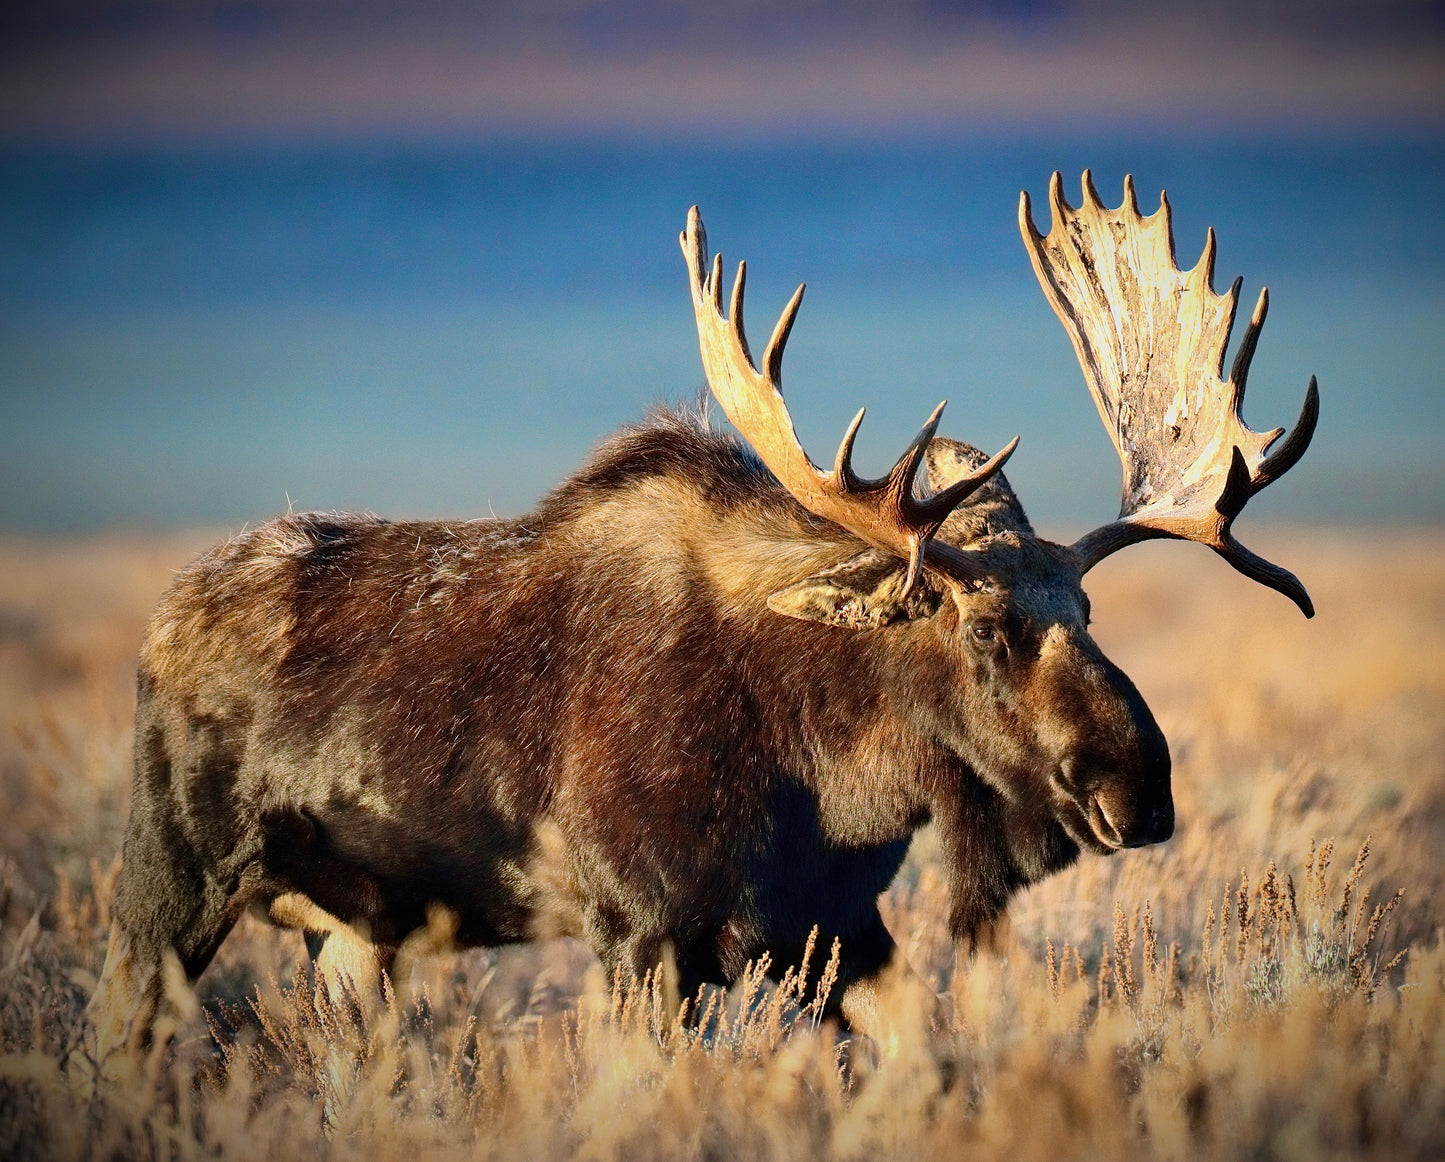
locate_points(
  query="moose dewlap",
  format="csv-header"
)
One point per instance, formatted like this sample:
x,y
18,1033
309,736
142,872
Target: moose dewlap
x,y
698,700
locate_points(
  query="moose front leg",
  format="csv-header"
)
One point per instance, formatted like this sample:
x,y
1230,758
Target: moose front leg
x,y
877,992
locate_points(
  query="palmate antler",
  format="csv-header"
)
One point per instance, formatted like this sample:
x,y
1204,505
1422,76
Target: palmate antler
x,y
1151,342
884,512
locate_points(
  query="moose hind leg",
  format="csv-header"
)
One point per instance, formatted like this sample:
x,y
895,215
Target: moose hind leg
x,y
174,905
153,957
121,1012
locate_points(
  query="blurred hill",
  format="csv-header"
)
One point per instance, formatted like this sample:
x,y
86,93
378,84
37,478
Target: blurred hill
x,y
146,67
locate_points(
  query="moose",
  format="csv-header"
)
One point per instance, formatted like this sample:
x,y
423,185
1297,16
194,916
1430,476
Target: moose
x,y
696,703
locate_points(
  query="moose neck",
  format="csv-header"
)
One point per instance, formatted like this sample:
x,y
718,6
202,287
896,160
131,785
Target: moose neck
x,y
838,721
689,518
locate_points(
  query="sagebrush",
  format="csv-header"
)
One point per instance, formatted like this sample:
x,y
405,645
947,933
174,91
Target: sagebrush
x,y
1265,985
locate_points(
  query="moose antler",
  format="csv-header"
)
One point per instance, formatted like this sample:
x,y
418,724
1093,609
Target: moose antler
x,y
1151,342
884,512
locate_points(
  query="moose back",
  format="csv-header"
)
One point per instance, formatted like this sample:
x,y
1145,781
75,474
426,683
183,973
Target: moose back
x,y
697,701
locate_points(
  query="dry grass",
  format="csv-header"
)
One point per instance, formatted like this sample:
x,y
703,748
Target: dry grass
x,y
1238,992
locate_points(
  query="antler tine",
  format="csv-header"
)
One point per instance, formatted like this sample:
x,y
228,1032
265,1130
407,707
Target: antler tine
x,y
1239,486
1151,342
1284,455
1267,573
735,308
1167,211
905,469
1058,205
1244,356
1032,237
923,516
753,403
1131,199
843,461
882,512
1206,262
773,352
940,504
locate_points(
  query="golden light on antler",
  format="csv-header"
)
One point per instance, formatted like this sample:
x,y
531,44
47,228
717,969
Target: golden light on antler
x,y
1151,341
884,512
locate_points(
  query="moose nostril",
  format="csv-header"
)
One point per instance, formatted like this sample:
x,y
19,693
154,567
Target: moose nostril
x,y
1103,826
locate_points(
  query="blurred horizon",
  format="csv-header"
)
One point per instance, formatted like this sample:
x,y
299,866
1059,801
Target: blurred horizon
x,y
217,69
418,258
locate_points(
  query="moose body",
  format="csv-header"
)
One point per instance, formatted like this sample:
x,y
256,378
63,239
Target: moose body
x,y
584,721
681,710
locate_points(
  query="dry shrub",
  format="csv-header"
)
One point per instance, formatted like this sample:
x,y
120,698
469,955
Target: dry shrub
x,y
1242,991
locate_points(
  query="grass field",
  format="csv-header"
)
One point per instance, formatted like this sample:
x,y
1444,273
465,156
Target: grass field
x,y
1255,988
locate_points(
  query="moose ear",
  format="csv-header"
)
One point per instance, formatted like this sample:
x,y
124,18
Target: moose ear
x,y
864,592
993,508
948,460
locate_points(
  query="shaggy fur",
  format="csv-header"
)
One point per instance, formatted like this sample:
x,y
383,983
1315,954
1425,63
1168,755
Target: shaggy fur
x,y
588,720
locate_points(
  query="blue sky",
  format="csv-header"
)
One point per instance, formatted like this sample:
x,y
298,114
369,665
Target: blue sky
x,y
425,302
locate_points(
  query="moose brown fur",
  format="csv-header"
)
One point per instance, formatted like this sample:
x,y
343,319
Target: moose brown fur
x,y
675,709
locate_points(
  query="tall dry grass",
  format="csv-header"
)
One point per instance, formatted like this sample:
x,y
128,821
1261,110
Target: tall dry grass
x,y
1254,988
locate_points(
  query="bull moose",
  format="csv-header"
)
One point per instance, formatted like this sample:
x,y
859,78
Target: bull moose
x,y
701,697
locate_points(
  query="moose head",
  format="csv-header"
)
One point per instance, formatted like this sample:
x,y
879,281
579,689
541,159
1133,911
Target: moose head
x,y
1016,686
